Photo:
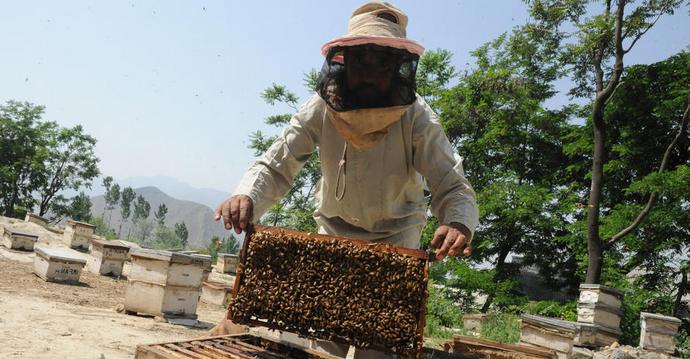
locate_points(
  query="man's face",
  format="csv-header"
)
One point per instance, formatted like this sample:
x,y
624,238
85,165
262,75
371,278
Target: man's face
x,y
369,72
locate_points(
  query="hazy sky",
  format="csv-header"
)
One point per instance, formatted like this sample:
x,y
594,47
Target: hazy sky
x,y
172,87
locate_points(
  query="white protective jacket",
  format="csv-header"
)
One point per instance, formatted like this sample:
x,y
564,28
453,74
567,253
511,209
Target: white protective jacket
x,y
374,194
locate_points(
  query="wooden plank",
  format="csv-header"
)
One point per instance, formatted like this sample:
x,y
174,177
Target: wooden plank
x,y
178,348
477,343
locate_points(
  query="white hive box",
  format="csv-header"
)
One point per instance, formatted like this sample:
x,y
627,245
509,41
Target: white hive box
x,y
164,283
474,322
600,294
227,263
658,332
33,218
58,264
18,240
215,293
600,314
558,335
595,336
78,234
107,257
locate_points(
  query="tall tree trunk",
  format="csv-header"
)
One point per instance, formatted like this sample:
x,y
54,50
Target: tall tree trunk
x,y
594,245
682,288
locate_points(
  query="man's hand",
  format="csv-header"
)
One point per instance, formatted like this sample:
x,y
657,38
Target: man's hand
x,y
236,211
452,239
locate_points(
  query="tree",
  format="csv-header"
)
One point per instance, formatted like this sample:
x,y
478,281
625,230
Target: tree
x,y
160,214
107,182
23,147
223,245
182,233
593,55
112,197
126,199
297,206
80,208
70,164
142,209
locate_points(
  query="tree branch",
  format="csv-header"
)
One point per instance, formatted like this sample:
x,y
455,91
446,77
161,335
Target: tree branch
x,y
638,36
618,65
652,197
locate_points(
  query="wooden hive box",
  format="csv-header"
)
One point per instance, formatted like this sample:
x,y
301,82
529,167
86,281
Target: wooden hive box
x,y
18,240
555,334
476,348
164,283
58,264
78,234
474,322
227,263
595,336
600,314
600,294
331,288
215,293
107,257
33,218
658,332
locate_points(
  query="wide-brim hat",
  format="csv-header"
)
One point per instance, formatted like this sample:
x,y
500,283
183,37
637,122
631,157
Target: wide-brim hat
x,y
378,23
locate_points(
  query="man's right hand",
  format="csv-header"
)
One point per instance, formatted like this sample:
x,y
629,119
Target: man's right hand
x,y
236,211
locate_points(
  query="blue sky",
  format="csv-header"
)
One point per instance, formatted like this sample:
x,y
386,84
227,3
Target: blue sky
x,y
172,87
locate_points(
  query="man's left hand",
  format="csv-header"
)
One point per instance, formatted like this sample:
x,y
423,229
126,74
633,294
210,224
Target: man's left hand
x,y
453,239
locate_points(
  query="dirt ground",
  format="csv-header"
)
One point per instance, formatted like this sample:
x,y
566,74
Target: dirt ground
x,y
40,319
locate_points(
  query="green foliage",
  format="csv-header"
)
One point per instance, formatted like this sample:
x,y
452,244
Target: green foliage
x,y
164,238
222,245
638,300
441,307
80,208
182,233
160,214
683,344
40,159
126,199
102,229
552,309
502,327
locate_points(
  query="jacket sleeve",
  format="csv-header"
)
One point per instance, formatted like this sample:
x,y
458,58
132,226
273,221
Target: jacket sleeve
x,y
453,199
272,174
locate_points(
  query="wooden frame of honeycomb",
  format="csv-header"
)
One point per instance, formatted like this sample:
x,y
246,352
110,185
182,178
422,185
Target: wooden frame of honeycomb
x,y
332,288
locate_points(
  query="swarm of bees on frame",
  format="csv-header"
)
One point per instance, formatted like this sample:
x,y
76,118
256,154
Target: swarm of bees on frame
x,y
333,290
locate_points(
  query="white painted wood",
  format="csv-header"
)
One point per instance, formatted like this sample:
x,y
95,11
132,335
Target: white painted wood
x,y
32,218
58,265
155,299
600,314
657,332
227,263
550,333
104,266
17,240
215,293
600,294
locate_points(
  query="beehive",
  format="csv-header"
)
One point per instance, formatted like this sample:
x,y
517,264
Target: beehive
x,y
600,314
594,336
474,322
352,291
58,264
470,347
107,257
600,294
550,333
17,240
215,293
658,332
33,218
227,263
78,234
164,283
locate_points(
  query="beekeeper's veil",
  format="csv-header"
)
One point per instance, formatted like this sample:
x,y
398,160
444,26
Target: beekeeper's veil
x,y
375,42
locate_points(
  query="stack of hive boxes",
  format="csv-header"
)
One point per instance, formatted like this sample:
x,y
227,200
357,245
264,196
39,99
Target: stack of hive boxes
x,y
107,257
78,234
18,240
164,283
599,315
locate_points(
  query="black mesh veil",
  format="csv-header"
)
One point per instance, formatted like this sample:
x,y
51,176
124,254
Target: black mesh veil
x,y
333,86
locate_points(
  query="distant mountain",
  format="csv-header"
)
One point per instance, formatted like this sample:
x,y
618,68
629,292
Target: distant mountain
x,y
176,188
197,217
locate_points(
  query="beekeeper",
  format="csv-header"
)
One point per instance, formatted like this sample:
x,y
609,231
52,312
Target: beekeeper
x,y
378,142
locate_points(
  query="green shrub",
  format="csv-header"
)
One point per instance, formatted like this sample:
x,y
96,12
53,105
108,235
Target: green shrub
x,y
683,344
552,309
502,327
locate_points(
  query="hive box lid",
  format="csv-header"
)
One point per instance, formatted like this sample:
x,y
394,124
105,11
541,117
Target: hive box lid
x,y
610,290
172,257
60,254
109,244
550,323
72,222
17,233
645,315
